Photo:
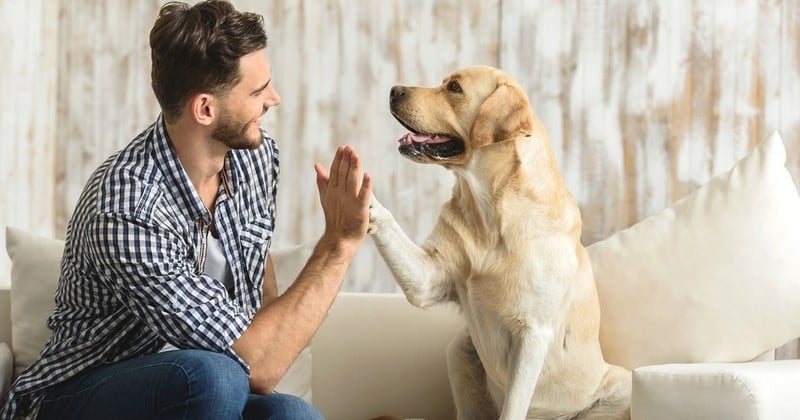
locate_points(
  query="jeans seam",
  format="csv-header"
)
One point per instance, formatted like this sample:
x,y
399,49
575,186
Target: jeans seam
x,y
102,381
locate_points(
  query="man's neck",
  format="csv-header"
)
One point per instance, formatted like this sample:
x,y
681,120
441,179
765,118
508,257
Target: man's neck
x,y
201,157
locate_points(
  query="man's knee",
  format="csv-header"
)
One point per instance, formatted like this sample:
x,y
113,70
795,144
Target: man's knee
x,y
280,406
210,381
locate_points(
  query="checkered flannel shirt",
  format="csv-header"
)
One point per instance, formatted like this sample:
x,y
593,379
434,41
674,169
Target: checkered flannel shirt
x,y
132,272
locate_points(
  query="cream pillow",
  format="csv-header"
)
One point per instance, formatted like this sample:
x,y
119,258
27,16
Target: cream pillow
x,y
715,277
35,262
35,266
288,261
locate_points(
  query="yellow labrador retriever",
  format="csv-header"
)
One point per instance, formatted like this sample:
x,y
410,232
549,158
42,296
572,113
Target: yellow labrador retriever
x,y
507,250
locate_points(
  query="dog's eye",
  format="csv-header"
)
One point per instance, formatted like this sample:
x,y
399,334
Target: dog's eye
x,y
453,86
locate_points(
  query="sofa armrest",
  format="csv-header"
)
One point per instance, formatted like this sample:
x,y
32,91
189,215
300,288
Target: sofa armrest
x,y
6,369
717,391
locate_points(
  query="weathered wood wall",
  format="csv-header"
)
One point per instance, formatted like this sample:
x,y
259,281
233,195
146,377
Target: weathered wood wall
x,y
644,101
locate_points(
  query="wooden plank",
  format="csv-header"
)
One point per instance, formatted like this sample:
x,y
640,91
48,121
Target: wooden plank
x,y
28,74
104,94
644,101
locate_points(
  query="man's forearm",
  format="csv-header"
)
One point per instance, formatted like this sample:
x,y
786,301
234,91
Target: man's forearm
x,y
284,326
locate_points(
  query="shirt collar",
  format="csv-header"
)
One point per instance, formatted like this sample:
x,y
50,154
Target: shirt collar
x,y
178,180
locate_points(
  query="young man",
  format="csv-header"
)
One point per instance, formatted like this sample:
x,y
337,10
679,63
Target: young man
x,y
167,305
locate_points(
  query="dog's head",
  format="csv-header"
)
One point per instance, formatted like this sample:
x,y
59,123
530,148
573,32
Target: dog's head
x,y
473,107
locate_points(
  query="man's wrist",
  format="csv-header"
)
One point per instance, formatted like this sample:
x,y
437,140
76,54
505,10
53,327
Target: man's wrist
x,y
338,247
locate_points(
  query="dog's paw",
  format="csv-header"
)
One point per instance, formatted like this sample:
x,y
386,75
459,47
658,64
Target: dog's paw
x,y
377,215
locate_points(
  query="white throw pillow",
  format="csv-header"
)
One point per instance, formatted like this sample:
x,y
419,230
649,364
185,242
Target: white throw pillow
x,y
715,277
35,262
287,262
35,267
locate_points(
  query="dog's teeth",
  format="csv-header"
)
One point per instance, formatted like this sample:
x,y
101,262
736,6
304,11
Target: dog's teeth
x,y
405,140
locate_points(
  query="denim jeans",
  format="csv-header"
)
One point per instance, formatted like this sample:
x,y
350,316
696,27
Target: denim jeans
x,y
179,384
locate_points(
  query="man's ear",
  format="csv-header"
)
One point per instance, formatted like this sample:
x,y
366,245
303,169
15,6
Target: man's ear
x,y
503,115
203,108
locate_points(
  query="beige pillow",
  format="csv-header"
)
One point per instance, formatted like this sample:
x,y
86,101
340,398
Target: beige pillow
x,y
715,277
35,266
35,263
288,261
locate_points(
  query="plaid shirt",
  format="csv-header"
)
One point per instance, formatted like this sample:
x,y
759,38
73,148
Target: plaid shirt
x,y
132,272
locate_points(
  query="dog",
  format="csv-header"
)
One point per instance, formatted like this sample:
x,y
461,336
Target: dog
x,y
506,249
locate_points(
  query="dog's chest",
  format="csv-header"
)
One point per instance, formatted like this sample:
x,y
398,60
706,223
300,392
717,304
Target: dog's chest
x,y
512,287
489,327
490,336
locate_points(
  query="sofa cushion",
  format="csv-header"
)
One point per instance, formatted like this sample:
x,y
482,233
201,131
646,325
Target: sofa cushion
x,y
376,354
714,277
35,263
287,262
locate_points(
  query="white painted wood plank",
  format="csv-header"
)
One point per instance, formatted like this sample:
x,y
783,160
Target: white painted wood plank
x,y
104,94
644,101
27,117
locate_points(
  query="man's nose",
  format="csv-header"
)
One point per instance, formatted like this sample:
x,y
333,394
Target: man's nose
x,y
273,98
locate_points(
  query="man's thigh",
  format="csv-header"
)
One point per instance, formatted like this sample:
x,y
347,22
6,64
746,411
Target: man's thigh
x,y
176,384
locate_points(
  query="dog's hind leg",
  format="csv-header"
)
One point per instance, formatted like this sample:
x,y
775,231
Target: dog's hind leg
x,y
615,397
468,380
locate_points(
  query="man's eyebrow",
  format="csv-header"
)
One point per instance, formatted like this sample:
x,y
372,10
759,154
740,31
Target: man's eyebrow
x,y
257,90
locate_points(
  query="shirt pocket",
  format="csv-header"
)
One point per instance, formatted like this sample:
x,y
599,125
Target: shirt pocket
x,y
257,234
255,237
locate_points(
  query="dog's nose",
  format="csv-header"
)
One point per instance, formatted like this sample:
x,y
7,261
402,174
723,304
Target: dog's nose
x,y
396,93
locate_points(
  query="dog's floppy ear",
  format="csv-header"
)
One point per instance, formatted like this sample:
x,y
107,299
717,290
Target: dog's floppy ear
x,y
503,115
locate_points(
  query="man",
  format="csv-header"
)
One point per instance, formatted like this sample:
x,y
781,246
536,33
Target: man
x,y
167,305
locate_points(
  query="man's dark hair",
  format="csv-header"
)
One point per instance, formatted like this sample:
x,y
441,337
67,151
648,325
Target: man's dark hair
x,y
197,49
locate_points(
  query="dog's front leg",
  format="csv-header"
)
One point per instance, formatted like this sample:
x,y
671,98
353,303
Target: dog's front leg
x,y
529,346
421,276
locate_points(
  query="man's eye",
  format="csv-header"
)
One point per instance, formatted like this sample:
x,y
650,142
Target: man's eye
x,y
453,86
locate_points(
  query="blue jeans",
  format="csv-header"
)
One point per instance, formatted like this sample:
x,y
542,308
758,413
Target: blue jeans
x,y
179,384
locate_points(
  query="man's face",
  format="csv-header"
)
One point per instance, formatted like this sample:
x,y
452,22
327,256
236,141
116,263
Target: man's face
x,y
239,115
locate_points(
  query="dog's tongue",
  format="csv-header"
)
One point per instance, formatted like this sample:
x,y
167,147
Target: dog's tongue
x,y
409,138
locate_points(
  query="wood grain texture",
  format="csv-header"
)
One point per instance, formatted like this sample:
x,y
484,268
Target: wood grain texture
x,y
644,101
28,72
104,94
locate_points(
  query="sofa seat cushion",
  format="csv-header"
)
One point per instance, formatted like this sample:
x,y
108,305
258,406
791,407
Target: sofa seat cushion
x,y
717,391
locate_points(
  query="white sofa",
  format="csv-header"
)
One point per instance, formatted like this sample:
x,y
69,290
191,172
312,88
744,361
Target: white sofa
x,y
689,298
377,355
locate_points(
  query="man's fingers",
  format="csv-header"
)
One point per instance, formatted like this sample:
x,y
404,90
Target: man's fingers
x,y
322,178
354,176
344,166
345,173
335,164
365,194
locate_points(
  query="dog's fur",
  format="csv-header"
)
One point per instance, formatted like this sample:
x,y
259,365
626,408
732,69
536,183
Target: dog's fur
x,y
507,250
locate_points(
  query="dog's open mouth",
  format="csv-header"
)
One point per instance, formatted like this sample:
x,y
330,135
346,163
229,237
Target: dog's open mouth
x,y
435,146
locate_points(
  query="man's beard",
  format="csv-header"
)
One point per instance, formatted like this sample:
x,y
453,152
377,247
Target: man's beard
x,y
234,135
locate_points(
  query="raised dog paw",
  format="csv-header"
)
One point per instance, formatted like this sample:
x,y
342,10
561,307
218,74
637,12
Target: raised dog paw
x,y
377,215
